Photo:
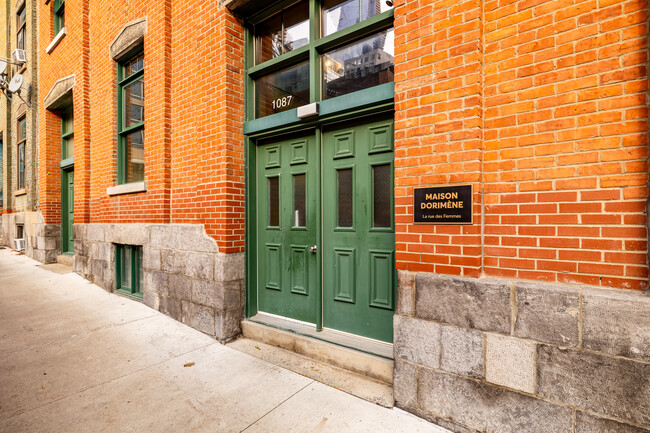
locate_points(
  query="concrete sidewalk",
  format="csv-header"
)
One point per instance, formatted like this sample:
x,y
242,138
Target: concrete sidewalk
x,y
74,358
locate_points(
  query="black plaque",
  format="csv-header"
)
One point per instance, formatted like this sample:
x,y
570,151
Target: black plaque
x,y
443,205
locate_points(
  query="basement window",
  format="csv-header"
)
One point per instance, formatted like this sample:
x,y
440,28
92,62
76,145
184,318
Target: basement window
x,y
128,269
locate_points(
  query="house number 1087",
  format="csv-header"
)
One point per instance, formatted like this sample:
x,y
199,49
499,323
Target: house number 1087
x,y
283,102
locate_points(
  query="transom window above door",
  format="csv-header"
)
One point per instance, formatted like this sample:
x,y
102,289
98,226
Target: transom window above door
x,y
315,50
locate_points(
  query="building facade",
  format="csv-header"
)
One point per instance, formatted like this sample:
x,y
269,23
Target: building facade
x,y
19,200
303,165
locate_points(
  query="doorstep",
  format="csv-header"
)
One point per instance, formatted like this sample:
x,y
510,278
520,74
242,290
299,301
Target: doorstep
x,y
356,372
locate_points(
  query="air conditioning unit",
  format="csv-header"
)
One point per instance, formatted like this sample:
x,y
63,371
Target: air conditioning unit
x,y
19,244
19,56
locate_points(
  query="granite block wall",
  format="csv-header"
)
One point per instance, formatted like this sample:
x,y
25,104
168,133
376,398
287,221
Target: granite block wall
x,y
485,355
185,276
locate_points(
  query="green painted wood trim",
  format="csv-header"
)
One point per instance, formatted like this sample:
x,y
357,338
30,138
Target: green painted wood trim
x,y
131,78
279,62
377,98
319,238
132,128
250,228
66,163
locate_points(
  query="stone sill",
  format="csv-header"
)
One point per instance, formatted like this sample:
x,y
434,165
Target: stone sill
x,y
127,188
56,40
20,192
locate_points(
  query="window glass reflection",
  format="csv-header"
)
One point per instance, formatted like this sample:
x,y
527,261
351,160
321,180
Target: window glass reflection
x,y
362,64
341,14
299,200
282,90
282,33
134,103
135,156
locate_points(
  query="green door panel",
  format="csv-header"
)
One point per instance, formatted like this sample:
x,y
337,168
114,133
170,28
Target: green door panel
x,y
339,198
359,277
287,226
67,211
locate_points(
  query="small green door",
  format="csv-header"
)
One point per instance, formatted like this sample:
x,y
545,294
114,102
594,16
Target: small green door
x,y
359,277
287,227
346,226
67,211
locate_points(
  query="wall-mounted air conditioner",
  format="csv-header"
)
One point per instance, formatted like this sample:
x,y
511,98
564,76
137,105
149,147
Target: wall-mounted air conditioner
x,y
19,244
19,56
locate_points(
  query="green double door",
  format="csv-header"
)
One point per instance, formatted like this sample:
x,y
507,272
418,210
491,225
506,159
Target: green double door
x,y
325,228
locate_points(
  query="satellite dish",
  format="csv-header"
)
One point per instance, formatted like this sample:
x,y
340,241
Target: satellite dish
x,y
15,83
3,67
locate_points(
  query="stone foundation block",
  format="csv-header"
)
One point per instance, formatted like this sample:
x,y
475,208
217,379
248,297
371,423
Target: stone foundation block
x,y
405,293
155,282
198,317
95,232
228,323
405,377
487,408
171,307
615,387
616,322
434,345
179,287
173,261
547,313
127,234
468,303
229,267
589,424
510,362
151,259
200,265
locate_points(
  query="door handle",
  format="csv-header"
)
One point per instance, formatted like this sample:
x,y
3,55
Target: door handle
x,y
313,249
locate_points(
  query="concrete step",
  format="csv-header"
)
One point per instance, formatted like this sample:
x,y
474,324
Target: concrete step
x,y
361,386
65,259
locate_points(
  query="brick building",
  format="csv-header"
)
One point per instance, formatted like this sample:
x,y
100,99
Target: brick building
x,y
256,162
19,201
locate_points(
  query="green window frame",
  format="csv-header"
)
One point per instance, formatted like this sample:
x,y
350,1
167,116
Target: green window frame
x,y
130,119
21,24
67,134
59,15
21,142
128,269
377,98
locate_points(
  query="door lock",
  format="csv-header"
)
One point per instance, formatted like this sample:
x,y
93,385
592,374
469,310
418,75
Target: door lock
x,y
313,249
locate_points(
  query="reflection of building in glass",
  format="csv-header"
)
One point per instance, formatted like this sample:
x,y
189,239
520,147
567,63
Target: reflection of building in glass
x,y
369,63
292,82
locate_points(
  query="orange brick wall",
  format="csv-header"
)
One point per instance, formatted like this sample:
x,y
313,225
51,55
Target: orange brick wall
x,y
194,158
69,57
542,106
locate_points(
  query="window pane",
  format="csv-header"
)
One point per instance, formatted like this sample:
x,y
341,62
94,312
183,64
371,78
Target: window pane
x,y
126,267
67,123
134,103
381,193
21,165
138,269
296,27
282,33
339,14
282,90
134,156
21,16
344,197
269,39
370,8
20,43
68,147
274,201
22,129
299,200
360,65
134,65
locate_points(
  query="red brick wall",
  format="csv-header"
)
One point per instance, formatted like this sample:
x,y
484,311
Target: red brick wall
x,y
542,106
208,113
194,158
69,57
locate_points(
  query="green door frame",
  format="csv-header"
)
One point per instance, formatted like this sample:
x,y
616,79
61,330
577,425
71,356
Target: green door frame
x,y
363,103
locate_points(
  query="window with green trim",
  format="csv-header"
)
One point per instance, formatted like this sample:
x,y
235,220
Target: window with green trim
x,y
128,268
22,140
315,50
67,134
59,15
130,120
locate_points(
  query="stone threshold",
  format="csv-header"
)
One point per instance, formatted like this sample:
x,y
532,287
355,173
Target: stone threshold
x,y
359,385
374,368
